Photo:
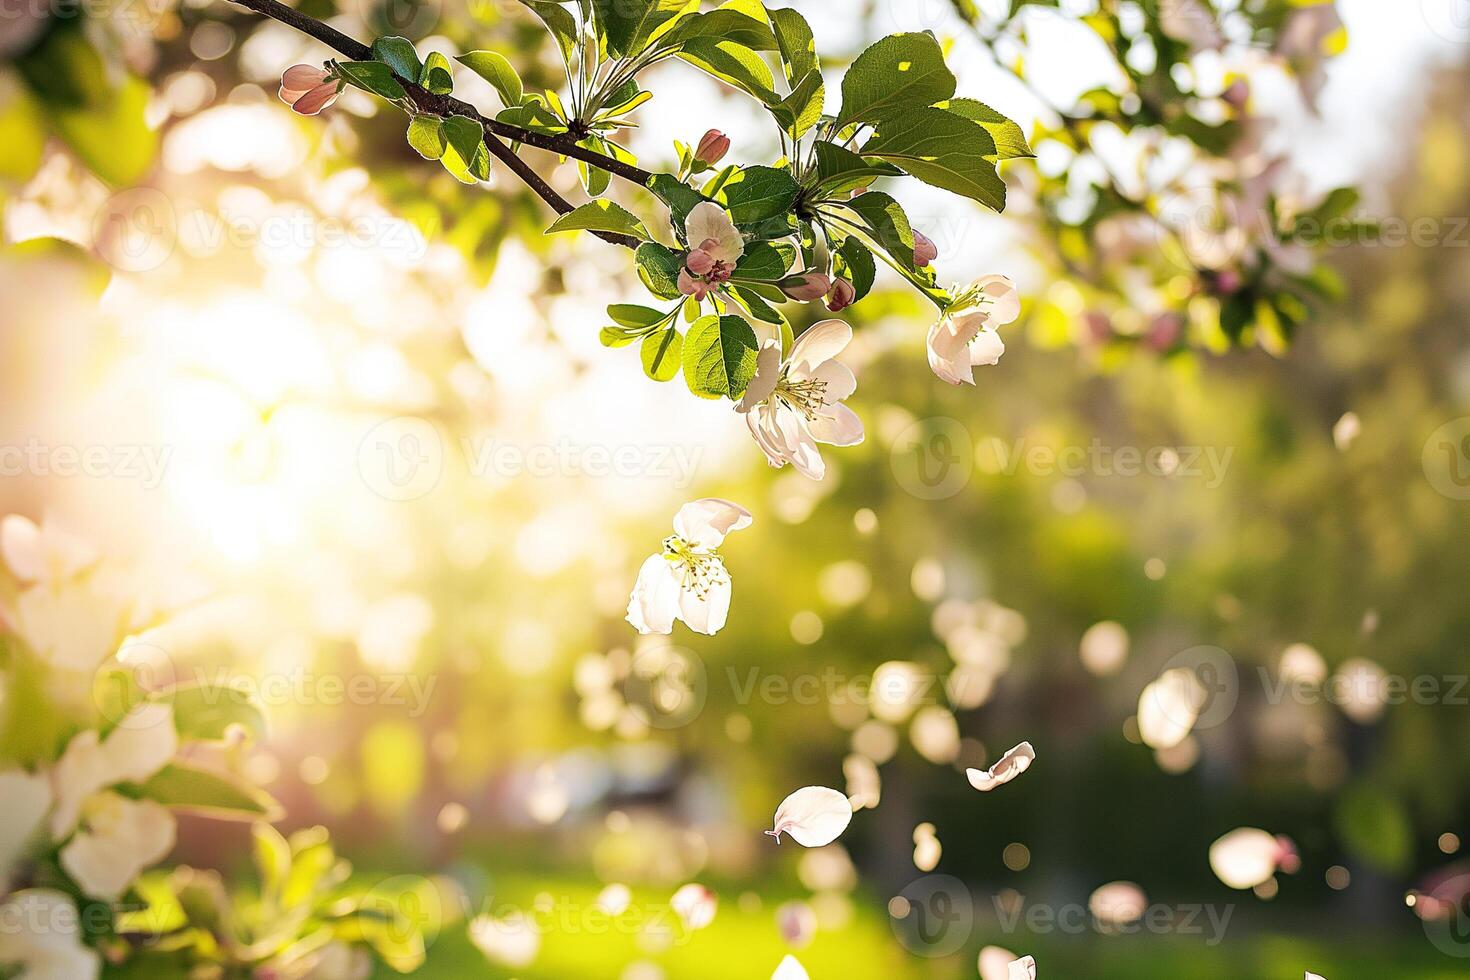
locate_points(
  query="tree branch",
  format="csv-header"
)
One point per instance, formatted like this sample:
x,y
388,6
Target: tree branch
x,y
444,106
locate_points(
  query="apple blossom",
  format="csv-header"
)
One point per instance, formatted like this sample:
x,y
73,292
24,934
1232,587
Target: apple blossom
x,y
792,405
308,90
112,838
925,251
842,295
712,147
715,246
1249,857
806,287
965,335
52,949
688,580
44,554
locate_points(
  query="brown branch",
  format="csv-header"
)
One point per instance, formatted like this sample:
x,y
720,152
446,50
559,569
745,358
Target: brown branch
x,y
445,106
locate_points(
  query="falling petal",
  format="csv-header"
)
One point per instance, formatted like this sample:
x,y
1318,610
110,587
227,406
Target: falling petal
x,y
790,969
1011,765
1246,857
814,816
695,905
797,923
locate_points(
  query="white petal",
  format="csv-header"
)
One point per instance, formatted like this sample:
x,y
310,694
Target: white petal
x,y
42,554
1011,765
842,428
767,373
706,615
1022,969
1005,301
655,599
818,345
790,969
142,743
123,837
814,816
705,522
73,629
708,221
511,941
20,543
57,952
1169,707
81,771
995,963
986,349
27,798
838,378
695,905
1313,976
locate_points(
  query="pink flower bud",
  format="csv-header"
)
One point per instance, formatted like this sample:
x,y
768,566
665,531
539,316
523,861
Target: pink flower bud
x,y
925,251
807,286
308,90
700,262
1164,331
712,148
843,295
690,286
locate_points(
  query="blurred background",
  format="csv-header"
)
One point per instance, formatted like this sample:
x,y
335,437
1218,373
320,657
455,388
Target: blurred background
x,y
353,420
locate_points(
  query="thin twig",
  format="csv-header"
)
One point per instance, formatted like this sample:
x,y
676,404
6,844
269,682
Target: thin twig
x,y
445,106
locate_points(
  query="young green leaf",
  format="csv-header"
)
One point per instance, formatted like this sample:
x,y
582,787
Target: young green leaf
x,y
1010,140
208,712
559,21
627,25
398,54
855,264
426,135
496,69
840,170
437,75
466,139
802,109
635,316
659,267
759,194
944,151
661,354
764,262
719,356
795,42
372,76
732,62
743,22
600,216
901,72
197,790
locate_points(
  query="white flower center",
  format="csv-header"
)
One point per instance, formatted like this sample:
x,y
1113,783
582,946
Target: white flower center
x,y
701,569
808,397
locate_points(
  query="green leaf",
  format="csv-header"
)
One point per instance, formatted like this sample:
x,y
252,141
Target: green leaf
x,y
560,22
372,76
839,170
398,54
758,194
719,356
438,74
208,712
732,62
615,337
627,25
595,180
659,267
802,109
186,788
677,196
885,221
757,305
661,354
635,316
533,116
426,135
795,42
901,72
496,69
765,262
466,138
600,216
742,22
272,858
1010,140
944,151
855,264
